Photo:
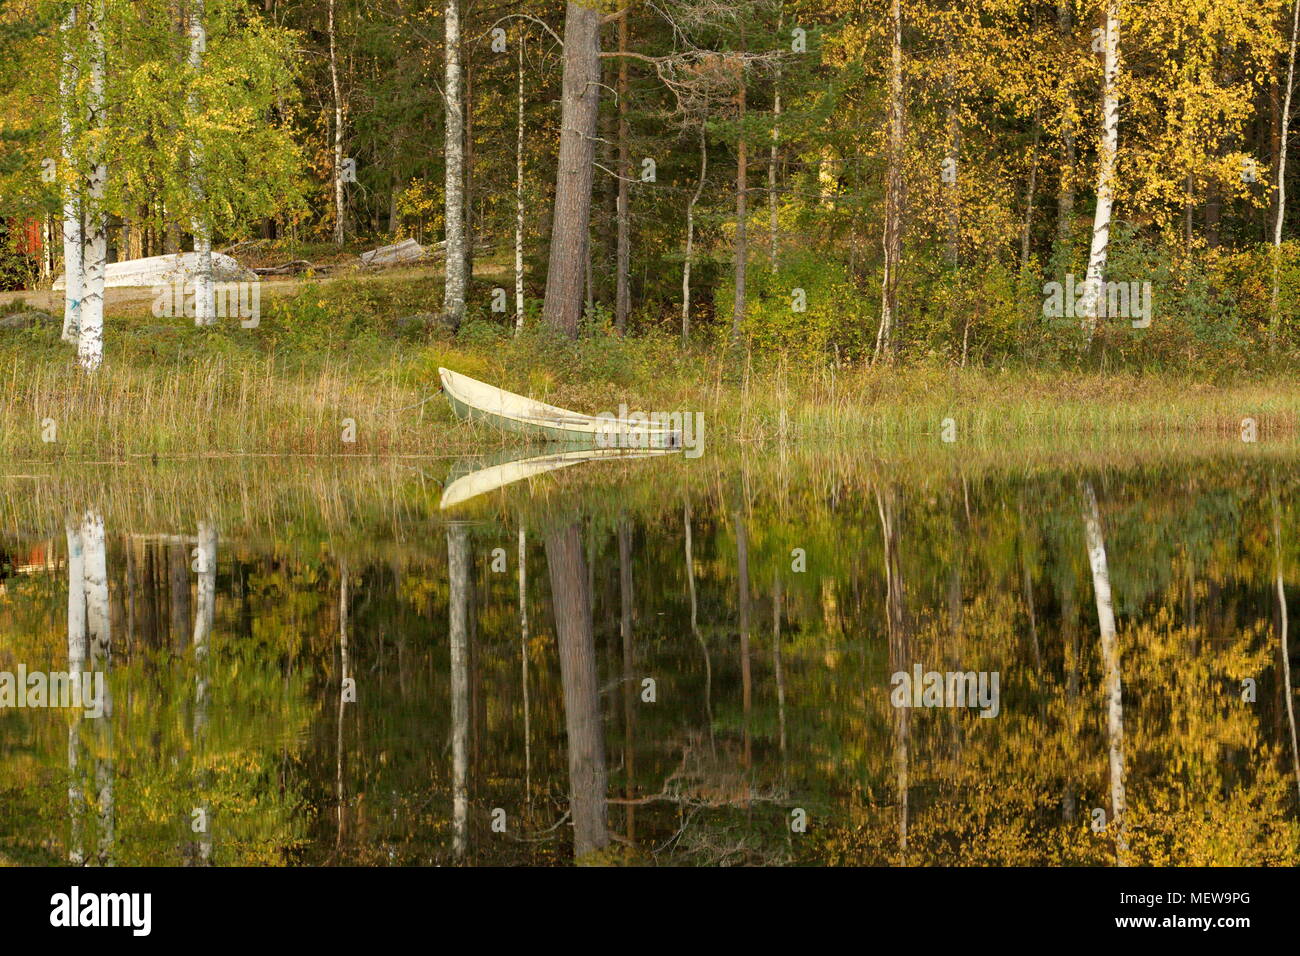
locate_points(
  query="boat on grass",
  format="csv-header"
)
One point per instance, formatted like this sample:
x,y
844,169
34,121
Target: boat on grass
x,y
473,400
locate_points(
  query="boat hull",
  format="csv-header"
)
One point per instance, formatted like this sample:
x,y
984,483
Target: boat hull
x,y
476,401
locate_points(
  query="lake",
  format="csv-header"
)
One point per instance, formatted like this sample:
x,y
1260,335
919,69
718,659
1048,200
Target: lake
x,y
771,657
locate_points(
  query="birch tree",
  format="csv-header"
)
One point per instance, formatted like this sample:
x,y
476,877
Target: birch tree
x,y
455,258
1273,316
338,128
205,312
519,190
1107,150
90,338
893,231
689,259
73,267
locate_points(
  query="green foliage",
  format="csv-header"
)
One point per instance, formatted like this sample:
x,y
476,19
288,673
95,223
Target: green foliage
x,y
808,308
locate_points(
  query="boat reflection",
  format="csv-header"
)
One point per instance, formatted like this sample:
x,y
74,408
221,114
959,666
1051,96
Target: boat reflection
x,y
522,463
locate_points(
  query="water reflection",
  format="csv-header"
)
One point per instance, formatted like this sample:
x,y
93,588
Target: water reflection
x,y
701,675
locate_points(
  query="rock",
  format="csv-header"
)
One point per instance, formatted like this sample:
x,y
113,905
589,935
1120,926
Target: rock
x,y
26,320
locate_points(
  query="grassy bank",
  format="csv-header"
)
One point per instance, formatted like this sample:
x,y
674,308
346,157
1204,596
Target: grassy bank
x,y
331,353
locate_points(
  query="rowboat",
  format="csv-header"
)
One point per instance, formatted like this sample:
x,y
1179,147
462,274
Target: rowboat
x,y
473,400
474,483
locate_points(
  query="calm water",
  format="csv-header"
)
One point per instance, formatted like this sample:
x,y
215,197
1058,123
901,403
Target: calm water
x,y
656,662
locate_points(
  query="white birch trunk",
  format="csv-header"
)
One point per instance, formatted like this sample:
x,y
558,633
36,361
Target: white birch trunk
x,y
73,265
453,298
90,338
1107,151
1111,665
892,239
1273,315
338,132
519,203
205,312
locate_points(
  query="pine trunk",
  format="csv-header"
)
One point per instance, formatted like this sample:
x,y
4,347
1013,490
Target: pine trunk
x,y
571,218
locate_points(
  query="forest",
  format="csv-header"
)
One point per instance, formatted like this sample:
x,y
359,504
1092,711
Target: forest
x,y
825,183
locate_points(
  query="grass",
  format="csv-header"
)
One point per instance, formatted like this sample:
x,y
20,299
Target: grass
x,y
330,353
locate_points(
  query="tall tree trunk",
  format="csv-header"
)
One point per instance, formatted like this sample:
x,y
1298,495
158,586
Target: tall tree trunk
x,y
467,260
623,254
73,239
571,218
571,598
1026,233
453,297
519,193
952,234
1274,317
741,250
893,232
90,341
773,220
689,258
1107,150
458,570
1111,666
338,130
205,312
1065,196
